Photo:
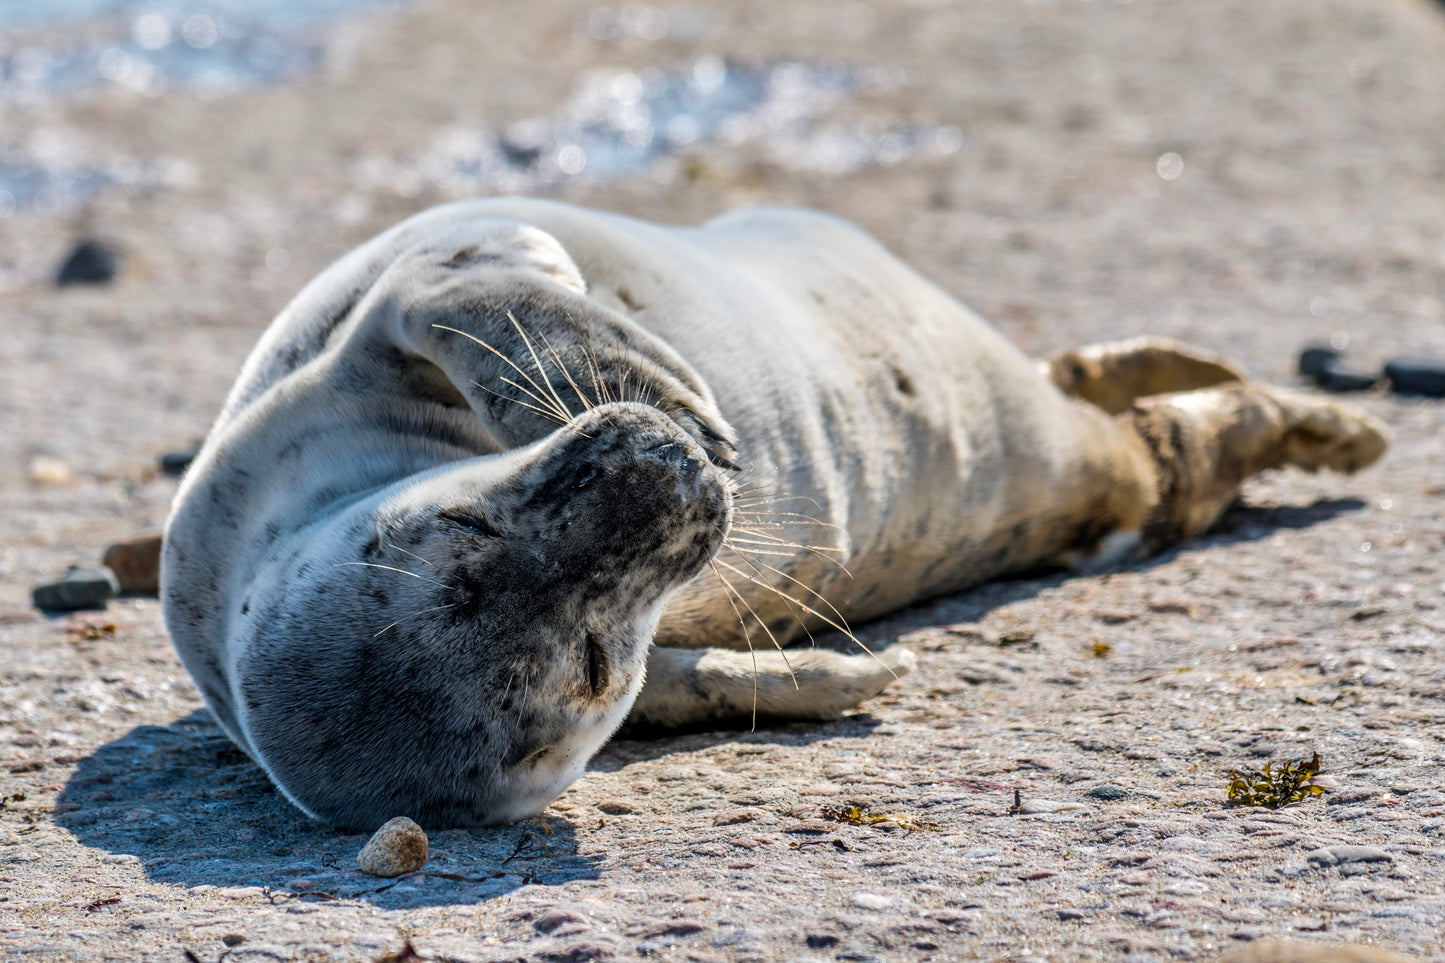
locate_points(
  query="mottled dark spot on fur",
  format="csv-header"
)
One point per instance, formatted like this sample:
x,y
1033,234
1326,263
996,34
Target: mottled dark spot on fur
x,y
461,258
246,605
624,294
372,548
903,383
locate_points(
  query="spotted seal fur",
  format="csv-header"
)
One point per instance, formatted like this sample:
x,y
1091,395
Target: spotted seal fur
x,y
513,470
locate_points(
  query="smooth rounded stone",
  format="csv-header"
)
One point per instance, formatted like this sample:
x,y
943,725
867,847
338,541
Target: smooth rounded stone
x,y
81,588
1299,951
398,847
873,901
1326,368
1340,855
1417,376
1185,887
175,463
1316,358
136,563
45,470
1034,807
91,261
1107,793
1340,380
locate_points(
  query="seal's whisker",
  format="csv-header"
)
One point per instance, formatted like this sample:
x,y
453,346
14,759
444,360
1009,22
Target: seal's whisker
x,y
758,551
754,564
499,354
587,404
393,568
730,594
541,369
757,618
433,608
753,501
403,551
774,541
599,383
809,609
787,519
549,410
546,414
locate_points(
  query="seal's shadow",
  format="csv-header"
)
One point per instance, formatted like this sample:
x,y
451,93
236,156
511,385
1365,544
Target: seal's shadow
x,y
196,811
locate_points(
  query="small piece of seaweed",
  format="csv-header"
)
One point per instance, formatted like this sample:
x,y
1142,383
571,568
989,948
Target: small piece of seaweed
x,y
1291,783
858,816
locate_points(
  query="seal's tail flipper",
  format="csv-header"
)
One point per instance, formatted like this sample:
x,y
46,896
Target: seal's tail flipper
x,y
1205,443
1114,375
686,686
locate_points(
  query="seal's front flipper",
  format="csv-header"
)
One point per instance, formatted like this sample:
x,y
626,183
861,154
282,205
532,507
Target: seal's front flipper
x,y
700,685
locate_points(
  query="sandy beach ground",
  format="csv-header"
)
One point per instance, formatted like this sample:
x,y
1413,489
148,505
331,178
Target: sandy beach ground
x,y
1251,177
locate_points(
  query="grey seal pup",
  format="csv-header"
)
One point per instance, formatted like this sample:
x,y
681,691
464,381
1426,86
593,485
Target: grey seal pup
x,y
514,470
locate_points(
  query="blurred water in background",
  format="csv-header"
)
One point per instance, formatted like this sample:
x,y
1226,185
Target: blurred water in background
x,y
208,47
615,122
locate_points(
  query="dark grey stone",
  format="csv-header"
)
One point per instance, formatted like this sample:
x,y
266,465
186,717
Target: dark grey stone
x,y
81,588
1417,376
175,463
1315,359
1107,792
90,262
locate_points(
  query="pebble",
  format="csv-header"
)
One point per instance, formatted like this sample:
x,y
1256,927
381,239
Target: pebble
x,y
81,588
1107,792
136,563
1032,807
1338,855
398,847
91,261
1417,376
175,463
45,470
872,901
1316,358
1185,887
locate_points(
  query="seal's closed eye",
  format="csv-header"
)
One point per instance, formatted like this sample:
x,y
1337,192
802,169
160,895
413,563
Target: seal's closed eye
x,y
474,522
596,659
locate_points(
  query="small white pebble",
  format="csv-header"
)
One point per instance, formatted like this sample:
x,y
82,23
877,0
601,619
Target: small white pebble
x,y
50,471
872,901
398,847
1032,807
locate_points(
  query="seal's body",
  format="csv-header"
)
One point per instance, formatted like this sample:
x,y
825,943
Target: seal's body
x,y
482,462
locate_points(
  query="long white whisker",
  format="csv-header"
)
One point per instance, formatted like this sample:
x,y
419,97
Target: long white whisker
x,y
763,625
538,362
405,552
806,608
413,615
504,358
392,568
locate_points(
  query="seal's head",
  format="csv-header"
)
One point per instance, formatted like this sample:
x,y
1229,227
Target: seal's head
x,y
486,623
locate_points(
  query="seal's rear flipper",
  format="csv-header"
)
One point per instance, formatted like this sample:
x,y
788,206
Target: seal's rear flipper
x,y
1205,443
1112,376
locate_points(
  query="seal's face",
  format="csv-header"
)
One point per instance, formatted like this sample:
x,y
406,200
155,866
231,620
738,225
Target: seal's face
x,y
490,623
